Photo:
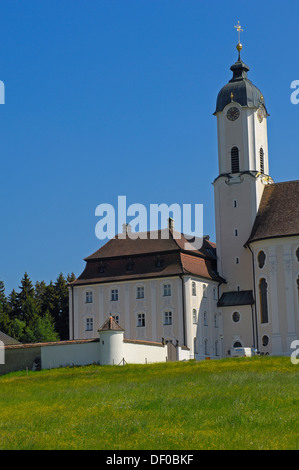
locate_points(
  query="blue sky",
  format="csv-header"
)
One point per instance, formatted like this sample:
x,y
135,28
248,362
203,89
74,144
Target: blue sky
x,y
116,97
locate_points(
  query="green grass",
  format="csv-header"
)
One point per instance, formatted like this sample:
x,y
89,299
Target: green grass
x,y
243,403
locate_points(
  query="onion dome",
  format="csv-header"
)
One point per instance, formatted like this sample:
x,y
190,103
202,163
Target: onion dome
x,y
240,89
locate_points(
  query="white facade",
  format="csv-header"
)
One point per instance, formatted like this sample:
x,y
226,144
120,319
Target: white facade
x,y
179,310
259,305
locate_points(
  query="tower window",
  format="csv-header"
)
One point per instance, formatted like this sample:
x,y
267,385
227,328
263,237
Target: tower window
x,y
263,300
235,160
193,288
236,232
261,258
235,203
237,260
194,316
297,254
262,167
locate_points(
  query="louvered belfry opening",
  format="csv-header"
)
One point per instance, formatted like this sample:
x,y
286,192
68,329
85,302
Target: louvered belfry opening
x,y
262,167
235,160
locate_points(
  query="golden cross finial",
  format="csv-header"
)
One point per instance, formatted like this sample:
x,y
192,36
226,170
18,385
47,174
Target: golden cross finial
x,y
239,29
239,45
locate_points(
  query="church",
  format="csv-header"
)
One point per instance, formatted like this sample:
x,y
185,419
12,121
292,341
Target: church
x,y
243,290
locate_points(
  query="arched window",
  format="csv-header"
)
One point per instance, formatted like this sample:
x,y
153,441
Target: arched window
x,y
261,258
263,287
237,344
262,166
204,290
206,347
297,254
205,318
193,288
234,153
194,315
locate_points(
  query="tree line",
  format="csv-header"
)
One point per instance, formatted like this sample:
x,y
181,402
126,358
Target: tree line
x,y
36,313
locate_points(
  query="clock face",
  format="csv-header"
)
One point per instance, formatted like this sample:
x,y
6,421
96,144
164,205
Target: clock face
x,y
260,114
233,113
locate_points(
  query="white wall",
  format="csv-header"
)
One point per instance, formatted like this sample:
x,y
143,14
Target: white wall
x,y
80,353
144,354
64,355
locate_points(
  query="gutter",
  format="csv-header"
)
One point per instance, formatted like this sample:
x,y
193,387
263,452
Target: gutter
x,y
184,310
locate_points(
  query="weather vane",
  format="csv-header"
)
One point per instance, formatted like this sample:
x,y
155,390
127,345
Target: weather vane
x,y
239,45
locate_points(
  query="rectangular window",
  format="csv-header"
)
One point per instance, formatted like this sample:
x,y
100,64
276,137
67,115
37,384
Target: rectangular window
x,y
88,297
114,294
89,324
166,290
141,319
167,318
215,293
140,293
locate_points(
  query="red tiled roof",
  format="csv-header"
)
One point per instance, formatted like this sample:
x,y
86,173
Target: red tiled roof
x,y
126,259
110,325
278,214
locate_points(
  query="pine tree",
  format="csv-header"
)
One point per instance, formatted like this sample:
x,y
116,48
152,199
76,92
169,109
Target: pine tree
x,y
4,316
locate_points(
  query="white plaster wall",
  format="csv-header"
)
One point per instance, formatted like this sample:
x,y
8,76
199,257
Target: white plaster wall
x,y
183,354
144,354
78,354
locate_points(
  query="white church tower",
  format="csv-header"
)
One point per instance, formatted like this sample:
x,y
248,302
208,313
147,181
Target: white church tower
x,y
243,173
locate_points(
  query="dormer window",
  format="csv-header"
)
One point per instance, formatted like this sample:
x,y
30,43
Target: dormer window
x,y
130,265
235,166
159,262
101,268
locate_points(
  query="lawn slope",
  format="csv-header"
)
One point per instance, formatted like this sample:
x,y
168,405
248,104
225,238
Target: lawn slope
x,y
243,403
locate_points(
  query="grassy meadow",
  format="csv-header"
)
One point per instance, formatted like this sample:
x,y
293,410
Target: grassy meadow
x,y
242,403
